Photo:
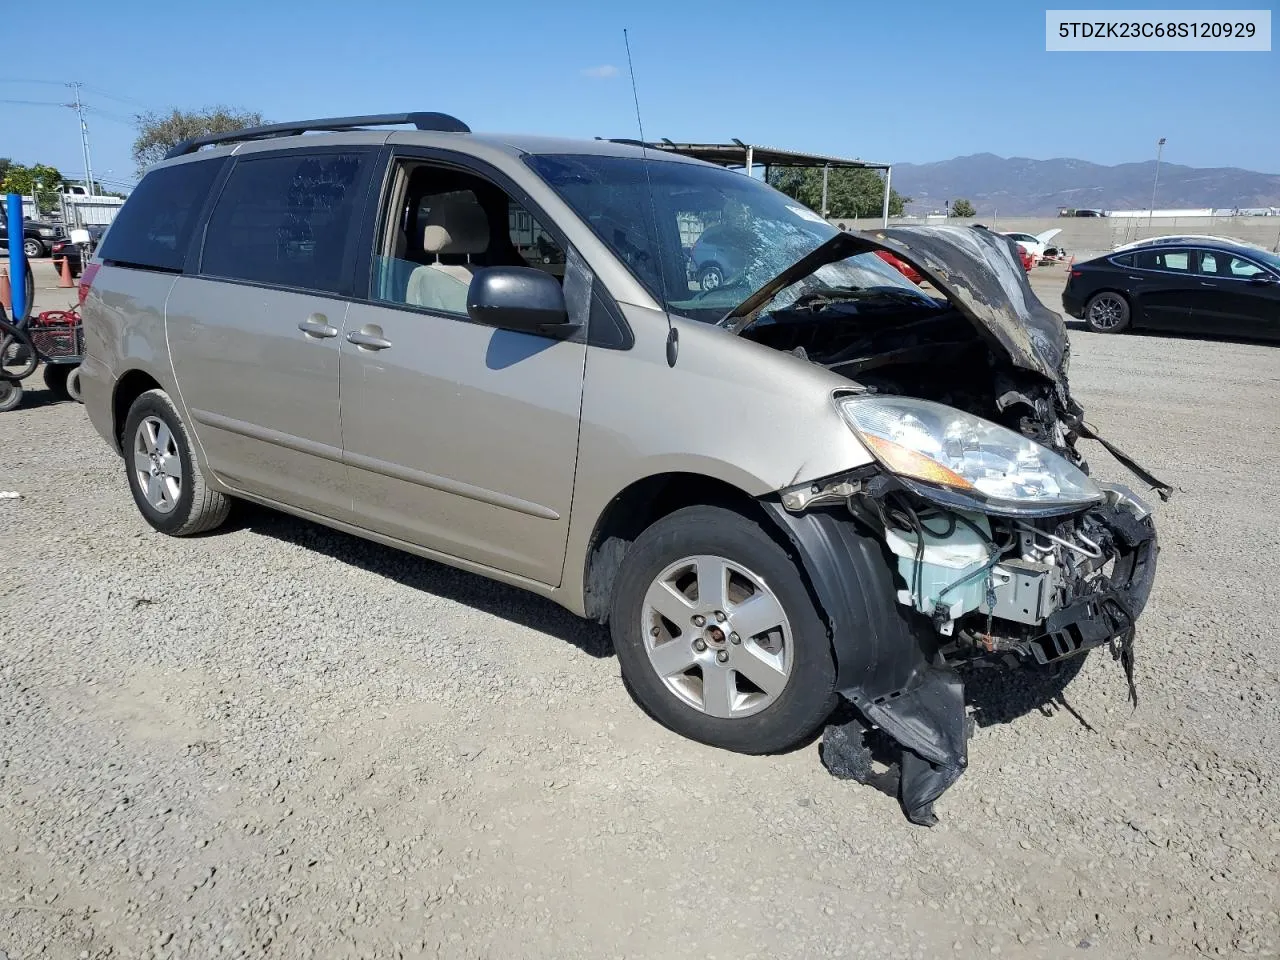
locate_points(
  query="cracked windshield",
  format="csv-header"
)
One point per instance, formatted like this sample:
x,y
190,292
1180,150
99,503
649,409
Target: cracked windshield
x,y
705,238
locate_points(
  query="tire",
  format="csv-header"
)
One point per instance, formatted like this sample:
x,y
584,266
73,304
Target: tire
x,y
55,378
181,502
10,395
73,385
710,276
33,247
801,669
1107,312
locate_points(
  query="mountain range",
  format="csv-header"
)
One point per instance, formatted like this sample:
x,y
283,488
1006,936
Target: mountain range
x,y
1019,186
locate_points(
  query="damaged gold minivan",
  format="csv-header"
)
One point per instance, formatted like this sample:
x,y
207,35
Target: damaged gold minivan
x,y
806,483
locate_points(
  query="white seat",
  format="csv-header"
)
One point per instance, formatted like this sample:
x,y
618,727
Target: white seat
x,y
455,226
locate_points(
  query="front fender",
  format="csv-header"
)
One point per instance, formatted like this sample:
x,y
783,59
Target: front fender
x,y
887,663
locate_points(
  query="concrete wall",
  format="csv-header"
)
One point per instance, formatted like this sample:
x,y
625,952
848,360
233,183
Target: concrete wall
x,y
1086,237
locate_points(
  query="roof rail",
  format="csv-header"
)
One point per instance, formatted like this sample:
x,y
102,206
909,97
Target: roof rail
x,y
441,122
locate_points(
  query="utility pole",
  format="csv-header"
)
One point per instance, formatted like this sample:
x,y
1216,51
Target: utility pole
x,y
84,137
1155,181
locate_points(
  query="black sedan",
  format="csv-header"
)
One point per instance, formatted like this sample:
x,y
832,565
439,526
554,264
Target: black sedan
x,y
1200,286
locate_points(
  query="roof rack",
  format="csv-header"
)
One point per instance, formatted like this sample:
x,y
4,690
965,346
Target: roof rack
x,y
441,122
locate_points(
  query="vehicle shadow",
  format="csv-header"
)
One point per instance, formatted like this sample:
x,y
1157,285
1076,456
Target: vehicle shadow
x,y
1001,694
437,579
36,395
1079,326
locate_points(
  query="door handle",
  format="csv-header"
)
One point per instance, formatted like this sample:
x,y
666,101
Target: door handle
x,y
1205,283
369,341
317,326
1137,278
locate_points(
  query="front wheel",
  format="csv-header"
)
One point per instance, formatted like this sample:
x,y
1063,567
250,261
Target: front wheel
x,y
717,635
167,483
33,248
1107,312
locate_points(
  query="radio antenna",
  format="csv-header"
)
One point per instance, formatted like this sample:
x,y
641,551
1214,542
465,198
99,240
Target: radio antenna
x,y
673,335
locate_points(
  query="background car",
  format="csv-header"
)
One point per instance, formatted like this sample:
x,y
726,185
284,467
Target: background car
x,y
1209,287
1035,245
75,252
37,237
1180,238
908,271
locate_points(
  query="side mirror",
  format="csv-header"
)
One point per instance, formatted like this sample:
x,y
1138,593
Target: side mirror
x,y
519,298
1262,279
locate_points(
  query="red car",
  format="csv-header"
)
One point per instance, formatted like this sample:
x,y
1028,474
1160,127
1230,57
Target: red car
x,y
905,269
1028,261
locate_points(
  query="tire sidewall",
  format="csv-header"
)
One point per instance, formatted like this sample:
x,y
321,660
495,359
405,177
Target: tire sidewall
x,y
1118,328
10,395
156,403
809,695
73,385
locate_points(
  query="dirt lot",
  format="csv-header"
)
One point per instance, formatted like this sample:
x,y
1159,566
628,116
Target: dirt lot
x,y
281,741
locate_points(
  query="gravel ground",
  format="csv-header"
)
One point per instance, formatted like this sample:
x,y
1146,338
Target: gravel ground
x,y
280,741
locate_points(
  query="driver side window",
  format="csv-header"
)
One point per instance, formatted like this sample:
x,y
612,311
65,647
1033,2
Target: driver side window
x,y
441,226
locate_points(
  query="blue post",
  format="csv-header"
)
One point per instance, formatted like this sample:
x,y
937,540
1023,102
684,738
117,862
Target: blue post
x,y
17,259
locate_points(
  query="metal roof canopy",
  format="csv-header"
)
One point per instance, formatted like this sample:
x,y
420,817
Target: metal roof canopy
x,y
748,156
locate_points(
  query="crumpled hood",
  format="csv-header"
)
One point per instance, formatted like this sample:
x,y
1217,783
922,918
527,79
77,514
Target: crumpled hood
x,y
977,270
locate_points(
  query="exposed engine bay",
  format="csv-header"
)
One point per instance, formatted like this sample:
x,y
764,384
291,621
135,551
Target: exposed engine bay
x,y
897,343
989,546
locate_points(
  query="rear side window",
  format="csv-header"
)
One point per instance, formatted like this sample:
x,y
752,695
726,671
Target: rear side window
x,y
286,220
153,229
1179,260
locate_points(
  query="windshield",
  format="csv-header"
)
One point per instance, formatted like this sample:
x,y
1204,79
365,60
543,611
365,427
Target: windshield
x,y
704,238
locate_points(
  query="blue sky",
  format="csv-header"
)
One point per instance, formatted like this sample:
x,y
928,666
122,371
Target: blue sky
x,y
885,81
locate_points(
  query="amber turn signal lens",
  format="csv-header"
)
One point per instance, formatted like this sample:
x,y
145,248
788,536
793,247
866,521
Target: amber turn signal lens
x,y
911,464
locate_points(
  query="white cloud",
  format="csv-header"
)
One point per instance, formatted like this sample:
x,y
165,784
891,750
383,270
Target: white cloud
x,y
602,72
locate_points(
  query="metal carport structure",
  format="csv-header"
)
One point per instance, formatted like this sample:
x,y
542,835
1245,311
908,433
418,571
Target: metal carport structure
x,y
747,156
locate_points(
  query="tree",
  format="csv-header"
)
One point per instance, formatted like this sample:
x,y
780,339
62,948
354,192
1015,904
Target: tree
x,y
851,193
158,133
962,208
5,164
19,178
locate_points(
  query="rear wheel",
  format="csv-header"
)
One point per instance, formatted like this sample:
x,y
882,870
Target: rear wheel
x,y
168,486
55,378
717,635
1107,312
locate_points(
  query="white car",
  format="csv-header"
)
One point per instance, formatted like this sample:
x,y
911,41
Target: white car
x,y
1035,245
1182,238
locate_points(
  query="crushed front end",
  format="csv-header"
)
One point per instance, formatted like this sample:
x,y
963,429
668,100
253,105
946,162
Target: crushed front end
x,y
986,544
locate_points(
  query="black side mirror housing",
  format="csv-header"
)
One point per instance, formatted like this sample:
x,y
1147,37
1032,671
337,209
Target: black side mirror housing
x,y
1261,279
519,298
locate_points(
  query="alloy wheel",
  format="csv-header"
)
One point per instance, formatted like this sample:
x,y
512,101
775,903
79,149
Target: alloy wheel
x,y
717,636
1106,312
157,464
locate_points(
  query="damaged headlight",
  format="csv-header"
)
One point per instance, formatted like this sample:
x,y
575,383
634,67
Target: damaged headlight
x,y
960,458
